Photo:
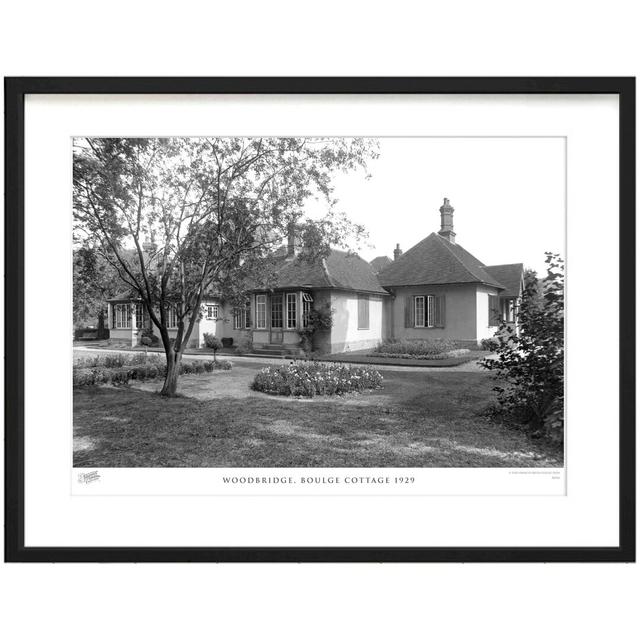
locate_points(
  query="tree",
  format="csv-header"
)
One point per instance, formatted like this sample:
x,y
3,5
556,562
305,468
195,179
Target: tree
x,y
530,363
93,283
178,217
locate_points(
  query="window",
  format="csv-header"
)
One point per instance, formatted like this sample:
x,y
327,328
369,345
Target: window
x,y
431,311
419,312
494,311
172,317
424,312
307,305
363,312
212,311
261,311
242,317
122,316
291,310
139,316
276,312
508,309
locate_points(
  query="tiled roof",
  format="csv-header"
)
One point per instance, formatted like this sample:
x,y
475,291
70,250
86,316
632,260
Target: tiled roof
x,y
133,296
379,263
340,270
510,275
435,260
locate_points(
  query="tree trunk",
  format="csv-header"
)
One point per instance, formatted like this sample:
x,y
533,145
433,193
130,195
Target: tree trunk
x,y
170,386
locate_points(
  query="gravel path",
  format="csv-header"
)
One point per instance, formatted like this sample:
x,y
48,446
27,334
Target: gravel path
x,y
240,360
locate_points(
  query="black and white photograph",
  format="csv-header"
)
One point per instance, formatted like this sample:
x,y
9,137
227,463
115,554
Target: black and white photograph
x,y
318,302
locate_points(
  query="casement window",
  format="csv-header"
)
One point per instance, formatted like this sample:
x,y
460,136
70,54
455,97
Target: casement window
x,y
139,316
363,311
495,313
122,316
242,317
212,311
276,312
291,310
171,317
424,312
508,309
307,305
419,311
261,311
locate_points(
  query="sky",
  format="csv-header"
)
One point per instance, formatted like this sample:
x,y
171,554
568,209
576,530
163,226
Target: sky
x,y
508,195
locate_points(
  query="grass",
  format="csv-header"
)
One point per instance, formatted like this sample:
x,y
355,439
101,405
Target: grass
x,y
419,419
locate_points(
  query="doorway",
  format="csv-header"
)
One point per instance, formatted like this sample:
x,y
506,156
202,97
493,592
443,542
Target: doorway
x,y
276,318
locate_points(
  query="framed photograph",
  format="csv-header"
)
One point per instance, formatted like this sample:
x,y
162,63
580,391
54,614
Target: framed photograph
x,y
320,319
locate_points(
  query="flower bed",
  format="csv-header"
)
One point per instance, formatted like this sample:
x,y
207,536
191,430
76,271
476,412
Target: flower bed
x,y
447,355
101,370
419,350
315,378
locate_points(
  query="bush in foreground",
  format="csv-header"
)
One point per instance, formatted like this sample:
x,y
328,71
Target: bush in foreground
x,y
529,363
99,373
315,379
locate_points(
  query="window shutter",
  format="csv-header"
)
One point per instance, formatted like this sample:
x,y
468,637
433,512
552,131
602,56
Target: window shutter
x,y
248,319
408,312
440,313
494,311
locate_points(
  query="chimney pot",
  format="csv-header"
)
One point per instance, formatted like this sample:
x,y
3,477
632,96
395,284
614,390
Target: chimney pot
x,y
446,222
397,252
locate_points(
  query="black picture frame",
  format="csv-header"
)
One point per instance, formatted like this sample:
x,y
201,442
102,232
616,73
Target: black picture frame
x,y
15,91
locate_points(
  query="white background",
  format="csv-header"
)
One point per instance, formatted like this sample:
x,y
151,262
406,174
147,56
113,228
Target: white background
x,y
459,601
586,516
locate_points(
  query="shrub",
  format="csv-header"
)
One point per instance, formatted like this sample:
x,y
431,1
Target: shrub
x,y
244,346
212,342
529,368
315,378
92,371
198,367
227,342
489,344
320,319
116,361
149,339
418,349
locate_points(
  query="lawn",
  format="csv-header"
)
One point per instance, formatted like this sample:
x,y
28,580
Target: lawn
x,y
420,419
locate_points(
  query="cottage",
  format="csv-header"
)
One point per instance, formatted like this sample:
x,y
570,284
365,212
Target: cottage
x,y
436,289
440,290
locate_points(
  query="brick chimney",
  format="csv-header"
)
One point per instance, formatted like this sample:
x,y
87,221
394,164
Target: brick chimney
x,y
397,252
149,247
446,222
293,240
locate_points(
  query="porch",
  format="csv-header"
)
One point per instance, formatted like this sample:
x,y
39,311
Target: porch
x,y
279,316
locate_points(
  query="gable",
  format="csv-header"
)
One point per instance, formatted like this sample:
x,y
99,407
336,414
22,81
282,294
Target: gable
x,y
435,260
510,275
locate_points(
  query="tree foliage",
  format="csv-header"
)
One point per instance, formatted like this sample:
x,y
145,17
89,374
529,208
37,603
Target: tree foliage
x,y
94,281
529,367
320,319
177,218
